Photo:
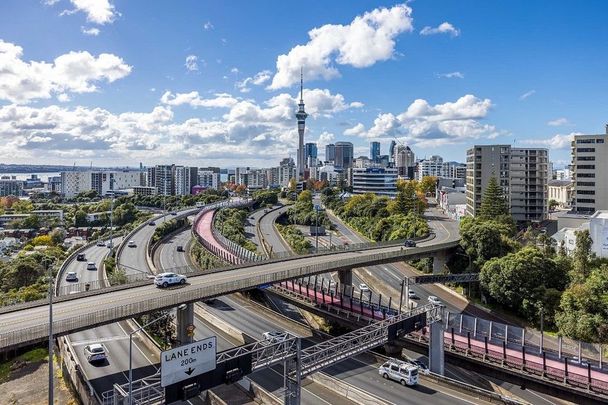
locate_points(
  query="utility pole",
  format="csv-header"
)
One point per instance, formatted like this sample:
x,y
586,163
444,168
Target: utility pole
x,y
51,386
111,214
401,296
317,230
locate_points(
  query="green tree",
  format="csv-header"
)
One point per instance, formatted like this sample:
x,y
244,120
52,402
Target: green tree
x,y
582,255
428,184
521,280
22,206
484,240
493,202
552,204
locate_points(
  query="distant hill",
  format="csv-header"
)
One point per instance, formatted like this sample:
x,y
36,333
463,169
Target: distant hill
x,y
16,168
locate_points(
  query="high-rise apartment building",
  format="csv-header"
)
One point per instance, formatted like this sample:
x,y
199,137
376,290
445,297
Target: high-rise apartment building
x,y
344,155
454,170
209,178
374,151
432,166
589,171
186,177
330,152
73,183
521,172
164,179
391,151
11,186
287,171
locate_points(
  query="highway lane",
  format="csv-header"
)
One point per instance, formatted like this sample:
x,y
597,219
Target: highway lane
x,y
102,376
268,230
361,371
251,229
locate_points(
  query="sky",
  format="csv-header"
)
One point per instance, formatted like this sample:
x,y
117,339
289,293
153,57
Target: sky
x,y
216,83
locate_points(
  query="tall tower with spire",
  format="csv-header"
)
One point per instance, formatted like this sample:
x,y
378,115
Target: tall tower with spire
x,y
301,116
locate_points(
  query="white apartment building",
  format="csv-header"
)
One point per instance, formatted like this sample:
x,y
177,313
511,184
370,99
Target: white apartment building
x,y
432,166
209,179
186,177
377,180
560,191
73,183
590,173
102,182
164,176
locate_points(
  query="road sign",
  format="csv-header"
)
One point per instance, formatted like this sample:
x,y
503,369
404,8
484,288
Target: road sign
x,y
187,361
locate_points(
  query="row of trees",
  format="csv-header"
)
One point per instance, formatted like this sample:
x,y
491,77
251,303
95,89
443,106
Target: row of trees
x,y
380,218
530,277
303,212
294,238
231,223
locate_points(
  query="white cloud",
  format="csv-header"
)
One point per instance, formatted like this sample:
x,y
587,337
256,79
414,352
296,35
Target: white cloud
x,y
368,39
258,79
357,104
558,122
75,72
90,31
527,94
558,141
193,99
234,70
191,63
98,11
443,28
64,98
208,26
357,130
428,125
451,75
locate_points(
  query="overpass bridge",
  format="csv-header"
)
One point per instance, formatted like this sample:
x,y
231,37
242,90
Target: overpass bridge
x,y
23,326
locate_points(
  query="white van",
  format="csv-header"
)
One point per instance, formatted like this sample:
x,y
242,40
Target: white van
x,y
399,370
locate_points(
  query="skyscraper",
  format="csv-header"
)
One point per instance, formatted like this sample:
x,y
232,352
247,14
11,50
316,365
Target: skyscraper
x,y
301,116
310,150
391,151
590,173
330,152
344,155
374,151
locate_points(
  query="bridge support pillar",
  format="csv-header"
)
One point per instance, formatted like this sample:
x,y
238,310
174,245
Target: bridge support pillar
x,y
436,348
392,350
184,322
346,279
439,261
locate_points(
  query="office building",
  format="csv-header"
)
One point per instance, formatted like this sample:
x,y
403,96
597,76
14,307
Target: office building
x,y
362,161
144,190
10,186
432,166
344,155
521,172
454,170
374,151
405,161
54,184
391,151
287,171
310,150
377,180
589,172
330,153
151,177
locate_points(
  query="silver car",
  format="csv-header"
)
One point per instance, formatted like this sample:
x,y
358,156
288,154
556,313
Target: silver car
x,y
94,352
71,276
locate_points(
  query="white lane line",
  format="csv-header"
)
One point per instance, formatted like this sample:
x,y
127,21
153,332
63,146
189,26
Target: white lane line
x,y
137,346
308,391
541,397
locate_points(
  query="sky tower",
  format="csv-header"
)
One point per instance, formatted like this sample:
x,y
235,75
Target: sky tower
x,y
301,116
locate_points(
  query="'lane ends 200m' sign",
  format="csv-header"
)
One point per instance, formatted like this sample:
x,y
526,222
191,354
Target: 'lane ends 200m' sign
x,y
187,361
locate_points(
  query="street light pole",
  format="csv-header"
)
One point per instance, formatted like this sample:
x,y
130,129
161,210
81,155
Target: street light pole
x,y
401,296
181,307
317,230
51,386
542,325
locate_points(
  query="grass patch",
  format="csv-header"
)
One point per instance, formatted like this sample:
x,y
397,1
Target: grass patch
x,y
33,356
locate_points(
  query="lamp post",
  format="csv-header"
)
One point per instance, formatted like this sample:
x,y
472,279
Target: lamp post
x,y
180,308
542,327
317,229
50,276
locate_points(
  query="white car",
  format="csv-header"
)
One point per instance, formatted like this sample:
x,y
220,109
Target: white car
x,y
71,276
275,336
131,244
399,370
94,352
91,266
165,279
434,300
364,288
412,295
101,243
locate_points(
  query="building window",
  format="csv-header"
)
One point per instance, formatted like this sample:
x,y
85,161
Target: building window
x,y
585,166
588,192
585,141
587,158
585,175
585,200
599,141
585,149
585,183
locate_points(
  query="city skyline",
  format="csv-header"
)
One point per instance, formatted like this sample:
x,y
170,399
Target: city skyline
x,y
204,84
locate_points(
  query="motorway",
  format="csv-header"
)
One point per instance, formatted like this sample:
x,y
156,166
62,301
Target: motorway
x,y
114,337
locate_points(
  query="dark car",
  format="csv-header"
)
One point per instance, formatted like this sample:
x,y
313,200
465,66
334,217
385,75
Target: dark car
x,y
409,243
81,257
180,248
151,223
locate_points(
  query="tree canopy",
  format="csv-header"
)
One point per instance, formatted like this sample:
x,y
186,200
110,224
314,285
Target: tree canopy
x,y
493,203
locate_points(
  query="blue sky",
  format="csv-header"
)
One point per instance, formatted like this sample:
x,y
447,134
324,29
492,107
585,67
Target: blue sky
x,y
117,82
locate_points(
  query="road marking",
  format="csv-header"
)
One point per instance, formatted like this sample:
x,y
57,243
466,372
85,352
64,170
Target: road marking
x,y
137,346
541,397
100,340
